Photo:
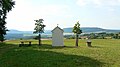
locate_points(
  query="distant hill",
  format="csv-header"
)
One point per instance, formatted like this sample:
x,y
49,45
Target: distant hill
x,y
19,32
15,34
68,30
12,31
91,30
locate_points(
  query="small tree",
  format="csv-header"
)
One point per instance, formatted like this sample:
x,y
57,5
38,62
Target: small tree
x,y
39,28
77,31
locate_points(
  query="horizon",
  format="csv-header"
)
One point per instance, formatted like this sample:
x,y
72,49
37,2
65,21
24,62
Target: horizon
x,y
91,13
65,27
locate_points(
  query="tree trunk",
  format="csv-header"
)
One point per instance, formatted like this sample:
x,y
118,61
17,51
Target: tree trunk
x,y
1,38
76,40
39,39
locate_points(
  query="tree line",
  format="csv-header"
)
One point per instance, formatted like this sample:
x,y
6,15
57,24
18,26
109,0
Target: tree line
x,y
102,35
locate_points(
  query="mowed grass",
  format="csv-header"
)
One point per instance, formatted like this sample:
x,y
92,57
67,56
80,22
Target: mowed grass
x,y
103,53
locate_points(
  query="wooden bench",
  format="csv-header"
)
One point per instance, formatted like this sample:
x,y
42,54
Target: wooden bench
x,y
24,43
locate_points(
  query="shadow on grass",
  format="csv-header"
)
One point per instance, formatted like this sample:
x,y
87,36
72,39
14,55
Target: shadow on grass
x,y
39,58
6,46
49,46
96,47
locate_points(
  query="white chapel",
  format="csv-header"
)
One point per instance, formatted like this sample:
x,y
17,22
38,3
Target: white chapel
x,y
57,37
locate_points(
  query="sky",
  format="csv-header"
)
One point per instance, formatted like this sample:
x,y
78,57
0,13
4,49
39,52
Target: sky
x,y
65,13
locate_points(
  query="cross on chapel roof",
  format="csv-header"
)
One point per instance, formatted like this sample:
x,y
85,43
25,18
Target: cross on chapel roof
x,y
57,24
57,27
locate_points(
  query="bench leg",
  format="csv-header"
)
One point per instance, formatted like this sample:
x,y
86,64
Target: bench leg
x,y
29,44
22,43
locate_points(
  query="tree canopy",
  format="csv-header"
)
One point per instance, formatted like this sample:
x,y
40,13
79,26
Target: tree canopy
x,y
39,26
76,28
5,7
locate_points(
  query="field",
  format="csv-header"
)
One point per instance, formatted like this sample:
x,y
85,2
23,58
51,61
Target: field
x,y
103,53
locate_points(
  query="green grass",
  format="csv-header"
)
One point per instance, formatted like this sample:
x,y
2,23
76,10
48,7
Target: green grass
x,y
103,53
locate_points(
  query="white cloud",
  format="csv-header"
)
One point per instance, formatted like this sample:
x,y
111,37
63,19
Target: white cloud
x,y
112,3
109,5
81,2
98,2
111,10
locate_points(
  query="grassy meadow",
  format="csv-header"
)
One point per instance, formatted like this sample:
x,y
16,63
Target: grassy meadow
x,y
103,53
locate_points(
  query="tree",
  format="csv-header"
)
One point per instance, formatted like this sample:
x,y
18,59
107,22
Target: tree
x,y
77,31
5,7
116,36
93,36
39,28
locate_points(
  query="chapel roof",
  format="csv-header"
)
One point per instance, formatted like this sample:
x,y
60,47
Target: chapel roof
x,y
56,28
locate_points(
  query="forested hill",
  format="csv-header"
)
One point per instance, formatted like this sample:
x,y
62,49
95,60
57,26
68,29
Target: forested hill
x,y
69,30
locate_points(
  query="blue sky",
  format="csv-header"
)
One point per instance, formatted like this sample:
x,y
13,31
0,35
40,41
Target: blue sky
x,y
90,13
